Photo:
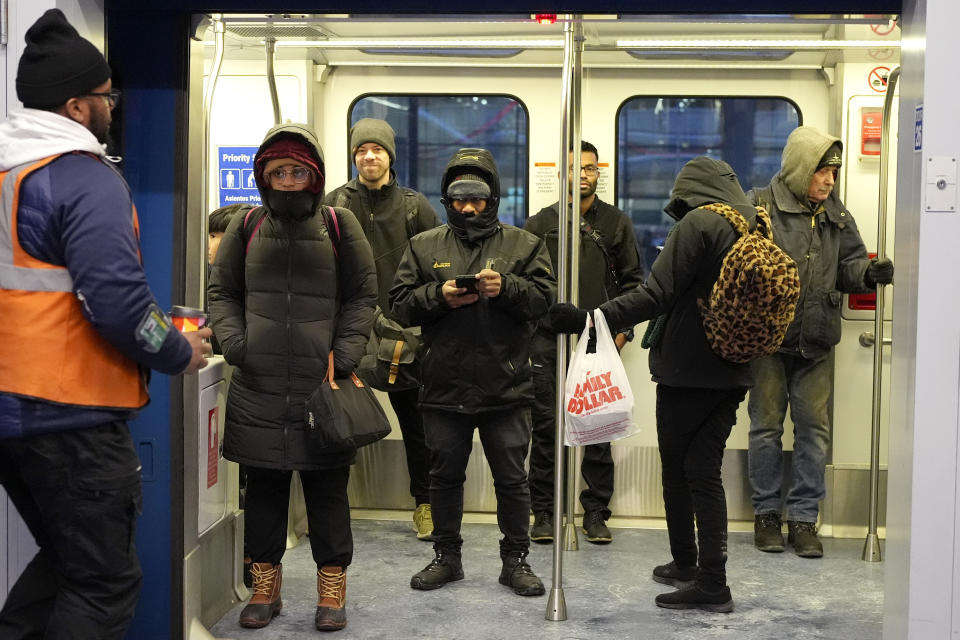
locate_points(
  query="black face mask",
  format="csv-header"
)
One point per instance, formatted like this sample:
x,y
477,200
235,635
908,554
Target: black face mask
x,y
473,228
290,204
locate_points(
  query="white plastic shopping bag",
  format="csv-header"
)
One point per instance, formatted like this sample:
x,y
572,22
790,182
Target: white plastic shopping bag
x,y
597,395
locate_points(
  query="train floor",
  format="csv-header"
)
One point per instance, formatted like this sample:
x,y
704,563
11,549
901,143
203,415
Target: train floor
x,y
608,592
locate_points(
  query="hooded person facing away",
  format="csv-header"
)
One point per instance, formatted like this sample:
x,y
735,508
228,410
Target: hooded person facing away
x,y
698,392
476,371
284,293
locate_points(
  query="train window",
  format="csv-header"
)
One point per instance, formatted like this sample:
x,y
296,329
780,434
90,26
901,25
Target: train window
x,y
656,136
430,128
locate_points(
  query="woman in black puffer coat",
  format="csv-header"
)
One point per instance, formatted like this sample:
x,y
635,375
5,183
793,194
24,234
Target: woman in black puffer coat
x,y
283,293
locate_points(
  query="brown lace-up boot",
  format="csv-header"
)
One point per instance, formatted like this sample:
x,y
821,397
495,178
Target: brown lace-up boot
x,y
265,602
331,598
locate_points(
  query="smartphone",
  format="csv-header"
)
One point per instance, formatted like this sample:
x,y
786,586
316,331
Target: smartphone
x,y
467,282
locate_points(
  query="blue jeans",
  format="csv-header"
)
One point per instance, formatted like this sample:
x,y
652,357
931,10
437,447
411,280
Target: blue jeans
x,y
806,385
505,436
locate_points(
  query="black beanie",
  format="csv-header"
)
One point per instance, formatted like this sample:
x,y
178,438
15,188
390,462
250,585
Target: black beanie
x,y
57,63
373,130
832,158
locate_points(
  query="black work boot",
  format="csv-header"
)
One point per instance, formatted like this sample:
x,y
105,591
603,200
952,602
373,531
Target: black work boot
x,y
766,532
595,528
265,602
518,575
675,576
444,568
542,529
331,615
803,537
695,597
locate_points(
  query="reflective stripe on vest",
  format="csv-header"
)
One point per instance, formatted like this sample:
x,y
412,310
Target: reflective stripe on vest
x,y
48,348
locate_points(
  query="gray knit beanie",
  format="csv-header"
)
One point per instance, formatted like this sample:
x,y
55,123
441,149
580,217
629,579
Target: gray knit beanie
x,y
373,130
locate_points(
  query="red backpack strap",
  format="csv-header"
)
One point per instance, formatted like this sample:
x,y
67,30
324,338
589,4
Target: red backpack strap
x,y
335,236
257,215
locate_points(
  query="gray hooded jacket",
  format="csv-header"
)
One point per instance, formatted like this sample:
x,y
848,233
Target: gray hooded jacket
x,y
278,306
823,240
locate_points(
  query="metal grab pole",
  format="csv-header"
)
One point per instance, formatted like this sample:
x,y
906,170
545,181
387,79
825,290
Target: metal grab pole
x,y
871,546
570,538
208,91
556,603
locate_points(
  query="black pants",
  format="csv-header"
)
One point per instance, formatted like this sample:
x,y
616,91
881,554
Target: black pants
x,y
692,430
597,465
505,436
328,515
79,493
404,404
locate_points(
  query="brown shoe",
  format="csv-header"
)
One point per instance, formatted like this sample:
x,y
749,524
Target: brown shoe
x,y
331,597
265,602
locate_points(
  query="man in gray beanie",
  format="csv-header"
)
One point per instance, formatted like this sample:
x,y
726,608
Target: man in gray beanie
x,y
812,225
391,215
86,325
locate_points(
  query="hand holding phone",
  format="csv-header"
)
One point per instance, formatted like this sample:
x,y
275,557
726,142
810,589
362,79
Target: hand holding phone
x,y
467,282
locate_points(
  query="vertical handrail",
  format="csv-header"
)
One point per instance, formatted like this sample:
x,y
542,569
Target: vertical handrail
x,y
570,538
556,603
208,91
871,545
270,45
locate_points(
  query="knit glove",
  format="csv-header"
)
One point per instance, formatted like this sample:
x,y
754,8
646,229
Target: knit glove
x,y
566,318
879,271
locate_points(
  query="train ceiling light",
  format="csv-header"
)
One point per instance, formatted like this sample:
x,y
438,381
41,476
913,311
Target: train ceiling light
x,y
424,43
756,44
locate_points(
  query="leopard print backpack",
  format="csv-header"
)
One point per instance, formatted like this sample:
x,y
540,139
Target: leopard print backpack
x,y
754,298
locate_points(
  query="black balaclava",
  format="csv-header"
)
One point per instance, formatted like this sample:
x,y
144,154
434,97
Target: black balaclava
x,y
477,175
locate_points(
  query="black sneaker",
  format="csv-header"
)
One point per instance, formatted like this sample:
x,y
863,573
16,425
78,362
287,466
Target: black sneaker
x,y
518,575
675,576
595,528
441,570
803,537
766,532
542,529
694,597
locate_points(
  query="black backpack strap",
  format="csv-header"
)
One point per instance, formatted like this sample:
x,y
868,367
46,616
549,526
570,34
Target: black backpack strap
x,y
597,238
411,209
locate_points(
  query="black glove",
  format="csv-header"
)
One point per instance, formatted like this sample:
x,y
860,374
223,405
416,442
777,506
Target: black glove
x,y
880,271
566,318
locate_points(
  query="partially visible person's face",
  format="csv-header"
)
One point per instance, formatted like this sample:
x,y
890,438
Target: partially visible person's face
x,y
822,184
373,162
589,173
213,245
101,112
470,206
287,174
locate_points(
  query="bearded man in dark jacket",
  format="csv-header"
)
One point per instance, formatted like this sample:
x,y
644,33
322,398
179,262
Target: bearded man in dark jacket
x,y
812,225
390,216
609,266
287,288
698,392
475,369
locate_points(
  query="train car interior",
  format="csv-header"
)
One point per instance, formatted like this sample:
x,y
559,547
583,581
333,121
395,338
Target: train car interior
x,y
650,92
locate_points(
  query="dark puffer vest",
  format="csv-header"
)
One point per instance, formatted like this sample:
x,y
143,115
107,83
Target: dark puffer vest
x,y
278,306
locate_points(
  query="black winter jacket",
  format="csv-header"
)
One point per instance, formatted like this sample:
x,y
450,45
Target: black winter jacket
x,y
597,283
277,310
384,214
476,356
684,272
828,250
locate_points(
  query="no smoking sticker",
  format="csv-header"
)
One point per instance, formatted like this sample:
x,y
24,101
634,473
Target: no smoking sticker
x,y
877,79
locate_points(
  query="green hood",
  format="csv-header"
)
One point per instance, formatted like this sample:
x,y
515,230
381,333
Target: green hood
x,y
805,146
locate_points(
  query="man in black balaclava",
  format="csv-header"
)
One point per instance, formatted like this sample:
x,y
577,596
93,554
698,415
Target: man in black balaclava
x,y
476,287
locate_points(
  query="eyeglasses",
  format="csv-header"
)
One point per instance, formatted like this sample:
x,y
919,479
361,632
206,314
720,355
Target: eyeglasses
x,y
590,170
112,97
300,174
